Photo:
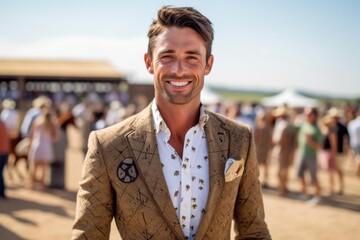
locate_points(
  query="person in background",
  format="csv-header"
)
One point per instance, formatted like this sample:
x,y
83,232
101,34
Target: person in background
x,y
64,119
83,117
4,155
115,113
309,142
328,152
285,142
354,133
175,170
33,113
41,154
263,142
342,144
11,118
244,113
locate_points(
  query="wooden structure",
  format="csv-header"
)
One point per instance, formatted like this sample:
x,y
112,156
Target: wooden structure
x,y
23,80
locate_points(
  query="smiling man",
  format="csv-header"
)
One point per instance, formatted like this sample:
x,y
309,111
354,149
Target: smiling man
x,y
174,170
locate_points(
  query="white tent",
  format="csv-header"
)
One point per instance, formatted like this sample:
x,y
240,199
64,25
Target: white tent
x,y
291,98
209,97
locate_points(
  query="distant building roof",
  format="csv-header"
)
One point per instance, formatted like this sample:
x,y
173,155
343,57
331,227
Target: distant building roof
x,y
58,68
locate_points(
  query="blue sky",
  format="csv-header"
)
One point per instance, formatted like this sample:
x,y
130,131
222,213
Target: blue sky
x,y
311,45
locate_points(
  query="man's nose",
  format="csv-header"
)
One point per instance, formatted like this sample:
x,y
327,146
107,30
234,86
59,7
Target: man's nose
x,y
178,66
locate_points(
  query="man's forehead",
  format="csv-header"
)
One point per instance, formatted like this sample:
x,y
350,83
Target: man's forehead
x,y
173,38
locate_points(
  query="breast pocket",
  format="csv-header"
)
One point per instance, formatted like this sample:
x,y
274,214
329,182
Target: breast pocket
x,y
234,169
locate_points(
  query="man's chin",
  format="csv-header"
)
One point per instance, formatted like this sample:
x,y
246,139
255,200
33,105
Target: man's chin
x,y
182,100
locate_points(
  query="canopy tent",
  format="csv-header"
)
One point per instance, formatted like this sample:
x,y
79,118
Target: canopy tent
x,y
209,97
291,98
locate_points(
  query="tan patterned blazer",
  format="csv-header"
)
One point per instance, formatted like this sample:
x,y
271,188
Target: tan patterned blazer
x,y
122,178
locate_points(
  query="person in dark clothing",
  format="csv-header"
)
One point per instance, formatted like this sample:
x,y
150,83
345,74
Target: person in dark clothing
x,y
342,144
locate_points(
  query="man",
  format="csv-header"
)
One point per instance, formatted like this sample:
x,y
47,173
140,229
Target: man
x,y
309,141
160,173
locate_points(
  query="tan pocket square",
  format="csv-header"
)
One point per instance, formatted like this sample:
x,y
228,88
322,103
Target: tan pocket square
x,y
233,169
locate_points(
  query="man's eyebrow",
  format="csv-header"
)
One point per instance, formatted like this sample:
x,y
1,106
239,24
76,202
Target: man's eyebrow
x,y
193,52
167,51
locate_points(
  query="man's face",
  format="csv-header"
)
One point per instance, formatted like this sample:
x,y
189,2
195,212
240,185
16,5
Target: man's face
x,y
178,65
310,116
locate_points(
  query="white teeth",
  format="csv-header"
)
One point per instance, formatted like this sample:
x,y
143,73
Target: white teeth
x,y
178,84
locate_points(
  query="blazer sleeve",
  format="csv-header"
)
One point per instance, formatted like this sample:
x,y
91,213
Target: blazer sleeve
x,y
249,208
95,198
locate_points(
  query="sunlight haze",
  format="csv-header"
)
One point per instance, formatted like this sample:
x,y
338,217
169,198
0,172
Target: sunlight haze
x,y
307,45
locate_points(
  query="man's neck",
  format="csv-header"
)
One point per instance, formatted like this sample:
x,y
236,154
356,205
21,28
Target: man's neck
x,y
179,119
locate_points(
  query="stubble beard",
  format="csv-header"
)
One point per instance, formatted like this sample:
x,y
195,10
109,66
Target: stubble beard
x,y
179,98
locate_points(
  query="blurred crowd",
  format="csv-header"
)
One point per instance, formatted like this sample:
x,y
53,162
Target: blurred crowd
x,y
38,135
309,138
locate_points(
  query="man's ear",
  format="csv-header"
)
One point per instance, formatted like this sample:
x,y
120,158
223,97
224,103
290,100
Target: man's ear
x,y
209,65
148,63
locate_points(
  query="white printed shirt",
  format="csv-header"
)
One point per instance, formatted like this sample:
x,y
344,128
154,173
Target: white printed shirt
x,y
187,178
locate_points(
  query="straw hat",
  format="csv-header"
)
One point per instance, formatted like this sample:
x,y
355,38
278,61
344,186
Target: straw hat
x,y
328,120
42,101
334,112
8,103
281,111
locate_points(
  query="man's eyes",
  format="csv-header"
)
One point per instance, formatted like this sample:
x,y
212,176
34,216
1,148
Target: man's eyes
x,y
192,57
170,57
167,57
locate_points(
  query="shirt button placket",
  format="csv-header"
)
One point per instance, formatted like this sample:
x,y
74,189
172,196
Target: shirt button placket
x,y
186,191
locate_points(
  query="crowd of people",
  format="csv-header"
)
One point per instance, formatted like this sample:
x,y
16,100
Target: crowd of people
x,y
39,134
311,139
308,139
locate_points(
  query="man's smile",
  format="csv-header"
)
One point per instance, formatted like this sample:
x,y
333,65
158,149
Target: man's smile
x,y
178,84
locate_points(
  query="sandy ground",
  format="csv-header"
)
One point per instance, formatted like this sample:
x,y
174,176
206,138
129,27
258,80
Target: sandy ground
x,y
49,214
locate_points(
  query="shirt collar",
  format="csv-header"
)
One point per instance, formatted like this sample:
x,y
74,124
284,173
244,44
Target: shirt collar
x,y
160,125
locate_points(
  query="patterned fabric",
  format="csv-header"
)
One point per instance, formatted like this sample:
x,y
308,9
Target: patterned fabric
x,y
187,178
122,180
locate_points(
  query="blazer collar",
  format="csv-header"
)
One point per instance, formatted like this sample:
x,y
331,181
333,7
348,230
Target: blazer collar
x,y
143,143
217,136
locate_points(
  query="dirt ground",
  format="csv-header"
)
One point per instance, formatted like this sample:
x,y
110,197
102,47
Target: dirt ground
x,y
49,214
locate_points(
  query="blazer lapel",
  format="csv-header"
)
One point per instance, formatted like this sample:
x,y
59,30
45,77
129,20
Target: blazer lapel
x,y
218,144
143,144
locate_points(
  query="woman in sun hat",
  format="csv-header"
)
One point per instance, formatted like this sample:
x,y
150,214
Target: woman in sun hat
x,y
328,153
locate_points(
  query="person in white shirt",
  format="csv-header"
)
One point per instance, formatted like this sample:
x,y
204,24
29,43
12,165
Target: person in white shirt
x,y
354,134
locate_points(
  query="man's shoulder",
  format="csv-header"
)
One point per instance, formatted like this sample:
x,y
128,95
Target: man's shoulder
x,y
123,127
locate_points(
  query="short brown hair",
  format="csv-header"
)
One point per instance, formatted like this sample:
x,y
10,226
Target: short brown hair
x,y
311,110
181,17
